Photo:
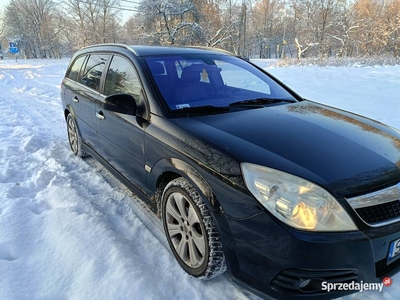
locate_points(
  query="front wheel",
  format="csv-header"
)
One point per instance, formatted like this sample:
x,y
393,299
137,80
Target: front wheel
x,y
190,231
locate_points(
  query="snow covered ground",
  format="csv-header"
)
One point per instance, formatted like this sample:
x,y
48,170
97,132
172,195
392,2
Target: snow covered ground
x,y
69,230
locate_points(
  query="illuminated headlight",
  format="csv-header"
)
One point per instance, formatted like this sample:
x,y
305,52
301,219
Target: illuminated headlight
x,y
296,201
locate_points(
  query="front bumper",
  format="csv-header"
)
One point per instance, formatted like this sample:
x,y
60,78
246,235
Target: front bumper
x,y
272,259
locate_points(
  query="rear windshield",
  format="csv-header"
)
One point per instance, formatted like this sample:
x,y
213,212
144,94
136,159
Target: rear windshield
x,y
211,80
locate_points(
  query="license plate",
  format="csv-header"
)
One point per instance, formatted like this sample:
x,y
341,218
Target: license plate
x,y
394,249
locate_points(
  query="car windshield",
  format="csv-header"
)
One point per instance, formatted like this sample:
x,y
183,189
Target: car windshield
x,y
192,81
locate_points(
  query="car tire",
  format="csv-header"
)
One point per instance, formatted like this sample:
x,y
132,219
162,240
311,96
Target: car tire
x,y
190,231
74,137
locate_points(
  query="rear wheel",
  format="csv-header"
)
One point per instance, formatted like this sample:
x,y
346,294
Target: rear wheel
x,y
190,231
74,138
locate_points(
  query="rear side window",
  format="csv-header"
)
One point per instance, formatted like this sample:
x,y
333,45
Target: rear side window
x,y
93,71
76,67
122,79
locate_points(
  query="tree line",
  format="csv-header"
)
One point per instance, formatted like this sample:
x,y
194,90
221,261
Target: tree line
x,y
252,28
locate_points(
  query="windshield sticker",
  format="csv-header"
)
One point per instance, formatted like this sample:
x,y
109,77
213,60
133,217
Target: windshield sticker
x,y
179,106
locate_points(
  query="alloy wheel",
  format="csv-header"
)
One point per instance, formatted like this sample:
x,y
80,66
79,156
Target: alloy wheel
x,y
72,135
185,231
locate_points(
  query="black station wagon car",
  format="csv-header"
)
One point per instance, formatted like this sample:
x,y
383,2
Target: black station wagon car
x,y
284,193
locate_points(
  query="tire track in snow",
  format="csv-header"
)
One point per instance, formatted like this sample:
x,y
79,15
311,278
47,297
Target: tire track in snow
x,y
42,116
38,117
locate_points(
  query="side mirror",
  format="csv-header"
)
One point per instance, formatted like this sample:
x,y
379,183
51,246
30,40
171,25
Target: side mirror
x,y
120,103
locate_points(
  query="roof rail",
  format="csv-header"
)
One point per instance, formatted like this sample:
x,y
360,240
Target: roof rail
x,y
212,48
112,44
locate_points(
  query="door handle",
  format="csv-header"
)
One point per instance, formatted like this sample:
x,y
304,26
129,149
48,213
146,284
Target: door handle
x,y
100,115
75,99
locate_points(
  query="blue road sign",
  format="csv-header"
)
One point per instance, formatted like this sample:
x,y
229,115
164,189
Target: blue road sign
x,y
13,48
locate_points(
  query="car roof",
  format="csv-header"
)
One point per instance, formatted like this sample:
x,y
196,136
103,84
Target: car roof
x,y
142,50
165,50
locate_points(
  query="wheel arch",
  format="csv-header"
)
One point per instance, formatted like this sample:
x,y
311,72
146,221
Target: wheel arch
x,y
66,113
69,110
168,169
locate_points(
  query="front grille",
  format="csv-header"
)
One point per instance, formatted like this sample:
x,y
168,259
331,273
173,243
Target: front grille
x,y
380,213
382,268
378,208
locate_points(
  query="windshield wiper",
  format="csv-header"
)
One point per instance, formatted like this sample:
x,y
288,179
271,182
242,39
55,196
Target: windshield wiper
x,y
202,109
260,101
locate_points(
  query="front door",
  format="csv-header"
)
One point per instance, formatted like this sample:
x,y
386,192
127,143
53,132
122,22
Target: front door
x,y
121,136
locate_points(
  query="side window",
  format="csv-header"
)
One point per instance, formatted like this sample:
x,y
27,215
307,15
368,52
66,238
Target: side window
x,y
122,79
93,70
73,72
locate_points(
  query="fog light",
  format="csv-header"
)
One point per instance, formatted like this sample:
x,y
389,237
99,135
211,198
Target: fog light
x,y
304,283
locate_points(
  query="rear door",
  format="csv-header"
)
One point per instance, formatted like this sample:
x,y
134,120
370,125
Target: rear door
x,y
73,95
87,97
81,91
121,136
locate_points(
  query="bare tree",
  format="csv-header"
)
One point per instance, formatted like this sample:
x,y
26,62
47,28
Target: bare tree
x,y
232,20
94,21
268,27
170,21
31,22
346,26
216,31
2,35
315,19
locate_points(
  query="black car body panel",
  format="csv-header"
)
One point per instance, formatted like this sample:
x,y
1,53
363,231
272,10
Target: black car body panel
x,y
282,137
84,112
346,154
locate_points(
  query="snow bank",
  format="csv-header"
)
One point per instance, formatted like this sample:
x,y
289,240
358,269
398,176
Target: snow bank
x,y
357,62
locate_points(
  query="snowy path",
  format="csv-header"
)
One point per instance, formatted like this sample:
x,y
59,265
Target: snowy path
x,y
69,230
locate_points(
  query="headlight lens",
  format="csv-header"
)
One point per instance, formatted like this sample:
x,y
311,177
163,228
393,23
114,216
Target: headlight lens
x,y
296,201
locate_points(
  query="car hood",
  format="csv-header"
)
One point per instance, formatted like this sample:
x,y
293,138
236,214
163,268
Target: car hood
x,y
343,152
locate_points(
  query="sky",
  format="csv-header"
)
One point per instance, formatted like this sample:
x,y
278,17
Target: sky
x,y
70,230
